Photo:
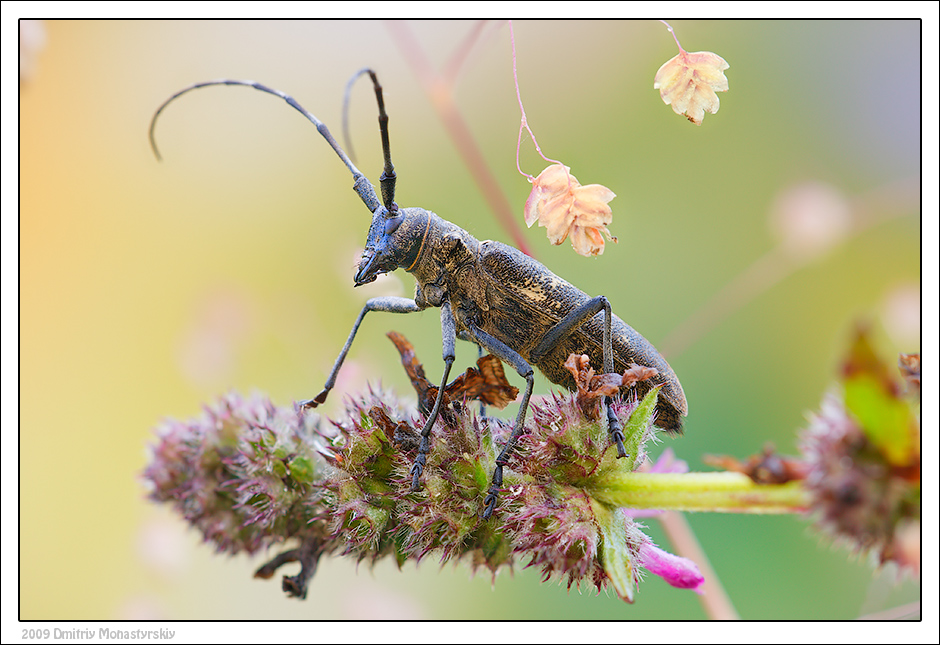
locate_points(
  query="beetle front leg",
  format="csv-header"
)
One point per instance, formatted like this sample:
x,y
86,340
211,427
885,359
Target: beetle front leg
x,y
571,322
388,304
512,357
449,339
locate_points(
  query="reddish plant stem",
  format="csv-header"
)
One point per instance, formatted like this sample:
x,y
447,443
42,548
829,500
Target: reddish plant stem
x,y
714,599
440,92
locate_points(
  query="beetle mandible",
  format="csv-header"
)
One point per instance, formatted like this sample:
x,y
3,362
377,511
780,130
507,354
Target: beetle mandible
x,y
488,293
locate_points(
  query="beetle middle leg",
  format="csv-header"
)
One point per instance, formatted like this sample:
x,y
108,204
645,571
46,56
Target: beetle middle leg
x,y
512,357
564,327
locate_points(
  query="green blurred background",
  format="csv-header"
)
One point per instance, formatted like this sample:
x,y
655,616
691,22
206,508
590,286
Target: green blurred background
x,y
149,288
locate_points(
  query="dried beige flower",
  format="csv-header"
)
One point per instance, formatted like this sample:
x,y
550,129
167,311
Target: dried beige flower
x,y
565,207
688,83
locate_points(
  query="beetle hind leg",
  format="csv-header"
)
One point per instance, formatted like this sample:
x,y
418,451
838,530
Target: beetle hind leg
x,y
563,328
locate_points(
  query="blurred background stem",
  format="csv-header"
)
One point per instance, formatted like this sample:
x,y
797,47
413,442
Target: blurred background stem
x,y
440,91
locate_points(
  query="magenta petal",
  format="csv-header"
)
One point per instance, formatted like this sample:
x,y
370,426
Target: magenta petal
x,y
669,463
678,571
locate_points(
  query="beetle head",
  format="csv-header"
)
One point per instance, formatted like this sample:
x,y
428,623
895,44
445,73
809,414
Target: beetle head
x,y
394,241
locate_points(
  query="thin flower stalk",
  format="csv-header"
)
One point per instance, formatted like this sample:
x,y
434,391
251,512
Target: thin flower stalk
x,y
557,200
689,81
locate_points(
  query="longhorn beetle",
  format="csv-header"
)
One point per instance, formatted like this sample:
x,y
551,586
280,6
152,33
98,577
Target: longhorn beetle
x,y
489,293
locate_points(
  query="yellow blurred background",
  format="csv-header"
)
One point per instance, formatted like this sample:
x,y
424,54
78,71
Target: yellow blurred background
x,y
147,288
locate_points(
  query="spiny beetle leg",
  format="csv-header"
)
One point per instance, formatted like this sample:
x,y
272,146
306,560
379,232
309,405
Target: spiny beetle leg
x,y
574,320
563,328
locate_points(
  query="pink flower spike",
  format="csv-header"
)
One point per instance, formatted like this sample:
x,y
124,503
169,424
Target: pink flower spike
x,y
677,571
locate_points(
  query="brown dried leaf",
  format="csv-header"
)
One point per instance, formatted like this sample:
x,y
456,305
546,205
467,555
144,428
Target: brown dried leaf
x,y
580,368
605,384
414,369
487,384
765,468
380,418
490,386
399,433
412,365
591,386
636,373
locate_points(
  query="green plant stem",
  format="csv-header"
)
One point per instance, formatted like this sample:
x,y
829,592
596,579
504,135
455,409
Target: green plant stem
x,y
722,492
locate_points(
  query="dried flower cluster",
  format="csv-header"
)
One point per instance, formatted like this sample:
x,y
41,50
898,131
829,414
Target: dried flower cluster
x,y
689,82
565,207
249,476
593,387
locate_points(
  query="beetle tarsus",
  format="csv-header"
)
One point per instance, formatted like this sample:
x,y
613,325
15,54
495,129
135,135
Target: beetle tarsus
x,y
314,402
492,495
617,437
615,428
416,469
490,502
420,462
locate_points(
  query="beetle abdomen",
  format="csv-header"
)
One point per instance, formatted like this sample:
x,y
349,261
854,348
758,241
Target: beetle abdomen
x,y
526,300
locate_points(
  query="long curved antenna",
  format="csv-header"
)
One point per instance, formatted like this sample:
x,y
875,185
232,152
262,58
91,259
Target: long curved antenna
x,y
347,96
361,184
388,178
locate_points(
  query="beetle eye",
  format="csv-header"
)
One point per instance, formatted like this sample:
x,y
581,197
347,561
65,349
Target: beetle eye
x,y
392,223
